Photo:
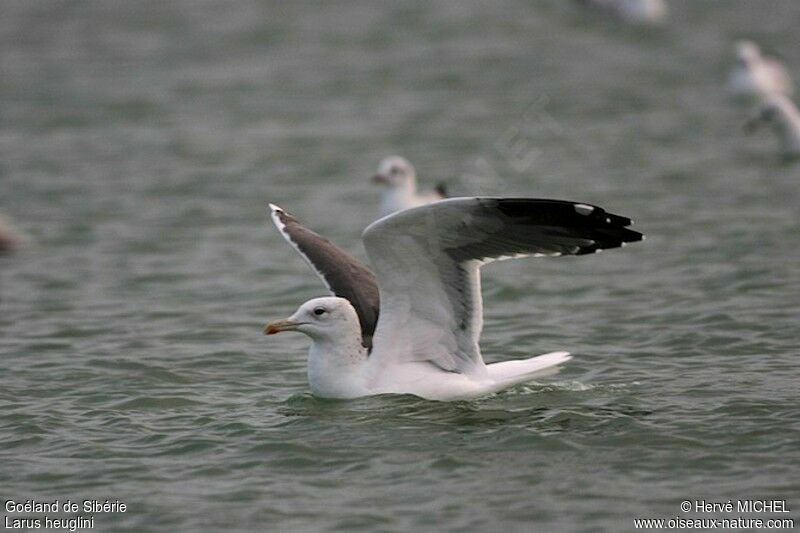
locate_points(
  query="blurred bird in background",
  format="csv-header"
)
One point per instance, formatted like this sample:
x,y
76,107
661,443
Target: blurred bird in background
x,y
756,75
782,115
9,238
399,178
646,12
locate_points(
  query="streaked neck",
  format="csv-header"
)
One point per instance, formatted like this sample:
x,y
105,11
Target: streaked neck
x,y
336,369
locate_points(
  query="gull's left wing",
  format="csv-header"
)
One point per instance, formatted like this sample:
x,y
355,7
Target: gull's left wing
x,y
344,275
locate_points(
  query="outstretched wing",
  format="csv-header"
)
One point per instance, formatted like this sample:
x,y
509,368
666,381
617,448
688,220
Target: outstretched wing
x,y
344,276
427,261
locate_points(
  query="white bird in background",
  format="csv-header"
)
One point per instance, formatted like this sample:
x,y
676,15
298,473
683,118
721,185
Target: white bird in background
x,y
650,12
419,334
779,112
9,238
399,178
756,75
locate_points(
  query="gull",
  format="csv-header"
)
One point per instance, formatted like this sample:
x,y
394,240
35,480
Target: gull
x,y
631,11
756,75
779,112
9,239
414,326
399,178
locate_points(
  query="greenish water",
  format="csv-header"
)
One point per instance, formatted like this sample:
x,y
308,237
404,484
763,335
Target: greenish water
x,y
141,141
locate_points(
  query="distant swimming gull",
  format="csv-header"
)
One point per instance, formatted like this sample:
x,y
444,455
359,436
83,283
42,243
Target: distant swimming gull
x,y
9,239
780,112
631,11
420,336
399,178
756,75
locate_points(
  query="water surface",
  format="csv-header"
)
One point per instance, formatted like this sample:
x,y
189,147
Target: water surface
x,y
141,141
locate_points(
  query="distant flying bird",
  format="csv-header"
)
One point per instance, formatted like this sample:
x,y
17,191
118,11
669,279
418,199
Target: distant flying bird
x,y
756,75
419,334
779,112
631,11
399,178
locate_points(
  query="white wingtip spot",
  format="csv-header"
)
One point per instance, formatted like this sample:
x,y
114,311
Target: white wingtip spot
x,y
274,211
583,209
608,220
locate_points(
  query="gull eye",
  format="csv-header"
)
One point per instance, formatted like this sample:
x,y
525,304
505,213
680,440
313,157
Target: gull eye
x,y
394,170
319,311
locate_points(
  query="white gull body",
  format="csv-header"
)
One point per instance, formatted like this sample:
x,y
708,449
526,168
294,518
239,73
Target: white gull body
x,y
782,115
339,366
399,179
758,76
414,329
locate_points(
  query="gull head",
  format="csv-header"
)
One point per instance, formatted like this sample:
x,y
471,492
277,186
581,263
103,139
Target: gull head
x,y
747,52
395,172
323,319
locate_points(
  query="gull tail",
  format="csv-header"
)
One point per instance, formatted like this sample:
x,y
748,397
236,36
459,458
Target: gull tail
x,y
510,373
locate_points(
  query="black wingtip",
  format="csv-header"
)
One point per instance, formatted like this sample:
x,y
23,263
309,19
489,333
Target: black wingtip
x,y
441,189
606,230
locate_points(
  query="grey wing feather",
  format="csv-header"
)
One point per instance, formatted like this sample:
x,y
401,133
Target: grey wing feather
x,y
342,274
